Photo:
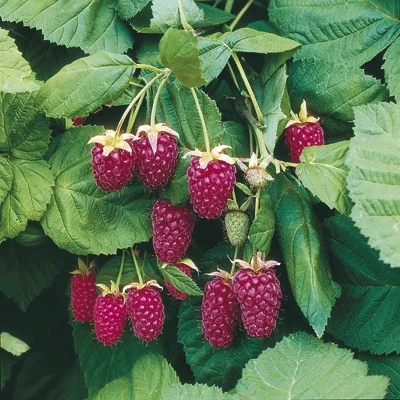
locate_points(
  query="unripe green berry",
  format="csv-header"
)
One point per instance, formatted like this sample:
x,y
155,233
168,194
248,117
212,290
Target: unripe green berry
x,y
237,224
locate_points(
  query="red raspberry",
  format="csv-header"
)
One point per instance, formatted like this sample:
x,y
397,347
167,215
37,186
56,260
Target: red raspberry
x,y
113,163
301,132
259,295
210,187
172,290
157,155
109,317
220,311
146,312
172,230
83,296
78,121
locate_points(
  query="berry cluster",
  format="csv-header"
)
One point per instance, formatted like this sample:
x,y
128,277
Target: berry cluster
x,y
252,296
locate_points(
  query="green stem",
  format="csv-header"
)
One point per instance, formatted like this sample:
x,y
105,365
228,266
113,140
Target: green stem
x,y
203,122
134,113
229,5
184,22
155,100
240,15
261,144
246,82
133,102
234,258
149,68
137,267
121,268
257,203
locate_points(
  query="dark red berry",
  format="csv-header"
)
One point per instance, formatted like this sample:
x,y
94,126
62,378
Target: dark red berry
x,y
114,171
109,318
174,291
146,312
156,168
83,296
259,295
210,187
78,121
172,230
301,135
220,312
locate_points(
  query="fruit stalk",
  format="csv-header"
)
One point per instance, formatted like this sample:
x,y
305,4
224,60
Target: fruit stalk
x,y
203,122
156,98
137,267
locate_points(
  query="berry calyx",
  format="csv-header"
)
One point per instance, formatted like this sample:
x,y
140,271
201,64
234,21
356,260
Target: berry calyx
x,y
259,294
172,230
145,310
256,174
113,160
220,310
211,178
83,292
157,152
302,131
109,315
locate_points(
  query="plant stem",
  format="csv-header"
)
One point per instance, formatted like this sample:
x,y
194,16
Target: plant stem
x,y
149,68
121,268
184,22
155,100
260,117
234,258
257,203
240,15
203,122
134,113
229,5
135,99
137,267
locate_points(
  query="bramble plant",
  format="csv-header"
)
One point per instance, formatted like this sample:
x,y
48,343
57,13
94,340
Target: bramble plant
x,y
221,179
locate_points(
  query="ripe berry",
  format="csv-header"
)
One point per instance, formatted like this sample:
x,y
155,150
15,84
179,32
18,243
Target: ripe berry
x,y
237,224
220,311
211,183
146,311
259,294
83,295
113,164
109,317
157,155
174,291
301,132
78,121
172,230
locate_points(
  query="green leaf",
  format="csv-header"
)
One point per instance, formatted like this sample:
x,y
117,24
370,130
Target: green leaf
x,y
374,176
129,8
392,69
348,32
178,51
180,281
214,366
304,367
81,218
249,40
178,110
263,227
304,252
323,172
7,178
88,24
12,344
385,365
151,377
7,362
26,271
365,316
332,99
85,85
108,369
196,391
15,72
237,136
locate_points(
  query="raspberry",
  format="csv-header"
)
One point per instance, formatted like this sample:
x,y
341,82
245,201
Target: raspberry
x,y
172,290
301,132
237,226
112,165
83,296
109,317
157,155
220,311
172,230
259,294
146,312
210,187
78,121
